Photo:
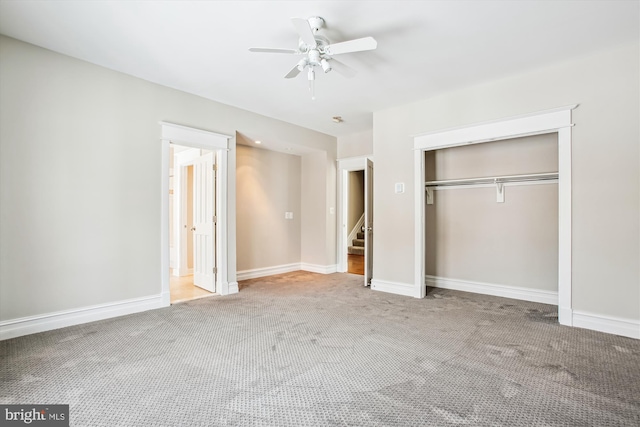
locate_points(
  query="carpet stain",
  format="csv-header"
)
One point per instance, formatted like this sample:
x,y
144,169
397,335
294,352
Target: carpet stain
x,y
622,349
510,389
457,419
542,316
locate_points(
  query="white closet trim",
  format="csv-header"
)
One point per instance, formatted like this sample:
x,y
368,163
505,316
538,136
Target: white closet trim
x,y
557,120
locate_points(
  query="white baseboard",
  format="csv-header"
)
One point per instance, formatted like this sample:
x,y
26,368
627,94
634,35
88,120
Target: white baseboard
x,y
611,325
565,316
321,269
526,294
286,268
406,289
46,322
176,272
233,288
267,271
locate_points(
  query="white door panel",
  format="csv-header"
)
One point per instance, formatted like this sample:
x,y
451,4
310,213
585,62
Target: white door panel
x,y
203,223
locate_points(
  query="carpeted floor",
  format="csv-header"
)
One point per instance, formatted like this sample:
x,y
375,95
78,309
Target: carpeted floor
x,y
303,349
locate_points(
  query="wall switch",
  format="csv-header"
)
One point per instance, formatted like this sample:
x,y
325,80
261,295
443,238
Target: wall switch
x,y
288,215
399,187
332,211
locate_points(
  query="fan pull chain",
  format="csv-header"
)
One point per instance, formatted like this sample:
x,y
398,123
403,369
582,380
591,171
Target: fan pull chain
x,y
312,82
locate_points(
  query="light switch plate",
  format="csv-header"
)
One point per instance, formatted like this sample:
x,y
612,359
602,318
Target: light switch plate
x,y
399,187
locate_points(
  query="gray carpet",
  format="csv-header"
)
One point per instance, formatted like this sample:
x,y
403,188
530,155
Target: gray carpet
x,y
302,349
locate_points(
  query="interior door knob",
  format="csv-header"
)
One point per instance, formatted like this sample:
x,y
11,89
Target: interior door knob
x,y
193,229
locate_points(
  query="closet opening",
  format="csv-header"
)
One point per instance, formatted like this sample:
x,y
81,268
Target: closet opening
x,y
491,218
556,122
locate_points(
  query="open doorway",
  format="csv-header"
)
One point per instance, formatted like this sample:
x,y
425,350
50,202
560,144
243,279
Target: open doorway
x,y
191,223
224,257
355,187
355,222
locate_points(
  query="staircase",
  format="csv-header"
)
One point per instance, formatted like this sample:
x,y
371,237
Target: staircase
x,y
357,247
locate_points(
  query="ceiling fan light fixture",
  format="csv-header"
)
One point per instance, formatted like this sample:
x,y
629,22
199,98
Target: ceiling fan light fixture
x,y
302,63
325,65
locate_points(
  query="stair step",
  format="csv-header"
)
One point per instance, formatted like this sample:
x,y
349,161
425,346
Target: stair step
x,y
355,250
358,242
360,235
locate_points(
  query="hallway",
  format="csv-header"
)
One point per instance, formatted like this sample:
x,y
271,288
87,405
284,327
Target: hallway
x,y
183,289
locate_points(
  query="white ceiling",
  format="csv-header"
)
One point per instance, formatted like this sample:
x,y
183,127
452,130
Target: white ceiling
x,y
424,47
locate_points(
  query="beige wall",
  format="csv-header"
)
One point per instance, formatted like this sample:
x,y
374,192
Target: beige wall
x,y
80,176
471,237
268,185
313,209
355,145
605,169
355,207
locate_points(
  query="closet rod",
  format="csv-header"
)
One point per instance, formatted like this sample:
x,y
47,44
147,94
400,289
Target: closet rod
x,y
494,179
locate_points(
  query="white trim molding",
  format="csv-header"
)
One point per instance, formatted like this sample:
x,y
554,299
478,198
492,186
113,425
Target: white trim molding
x,y
557,120
609,324
192,137
268,271
406,289
321,269
46,322
232,288
541,122
505,291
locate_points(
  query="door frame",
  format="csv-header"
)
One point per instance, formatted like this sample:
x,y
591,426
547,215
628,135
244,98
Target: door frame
x,y
345,166
219,144
557,120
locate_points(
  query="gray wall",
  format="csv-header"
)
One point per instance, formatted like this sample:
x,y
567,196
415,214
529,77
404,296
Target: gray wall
x,y
268,185
80,176
469,236
605,169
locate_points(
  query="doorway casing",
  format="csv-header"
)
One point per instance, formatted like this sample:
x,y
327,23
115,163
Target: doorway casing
x,y
558,121
219,144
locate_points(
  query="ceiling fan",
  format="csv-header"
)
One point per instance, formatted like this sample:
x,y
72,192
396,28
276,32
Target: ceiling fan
x,y
318,51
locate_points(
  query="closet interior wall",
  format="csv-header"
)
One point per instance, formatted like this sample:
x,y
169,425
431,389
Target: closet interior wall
x,y
471,237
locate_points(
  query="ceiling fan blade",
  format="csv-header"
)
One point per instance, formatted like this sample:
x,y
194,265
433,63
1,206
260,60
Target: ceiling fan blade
x,y
294,72
342,68
357,45
304,31
272,50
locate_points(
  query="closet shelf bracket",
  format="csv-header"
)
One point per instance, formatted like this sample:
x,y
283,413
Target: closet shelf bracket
x,y
499,192
429,195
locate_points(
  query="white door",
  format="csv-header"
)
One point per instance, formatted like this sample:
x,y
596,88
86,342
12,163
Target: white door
x,y
204,195
368,223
